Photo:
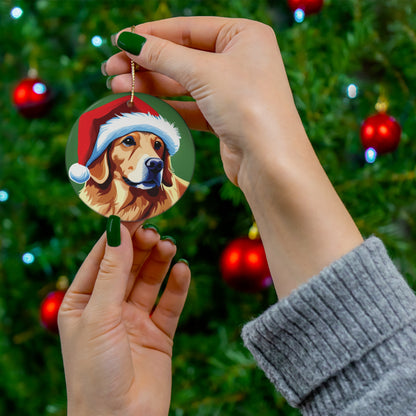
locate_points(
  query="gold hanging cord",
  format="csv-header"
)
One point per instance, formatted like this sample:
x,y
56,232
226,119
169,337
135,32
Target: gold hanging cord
x,y
133,76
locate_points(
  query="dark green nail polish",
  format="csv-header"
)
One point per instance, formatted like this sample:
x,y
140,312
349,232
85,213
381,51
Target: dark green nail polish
x,y
113,231
131,42
104,69
108,82
168,237
183,261
150,227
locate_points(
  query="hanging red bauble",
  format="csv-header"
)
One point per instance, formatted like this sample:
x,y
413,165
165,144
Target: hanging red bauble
x,y
380,132
308,6
49,309
244,266
32,97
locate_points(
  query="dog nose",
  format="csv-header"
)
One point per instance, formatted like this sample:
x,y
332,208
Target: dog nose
x,y
154,165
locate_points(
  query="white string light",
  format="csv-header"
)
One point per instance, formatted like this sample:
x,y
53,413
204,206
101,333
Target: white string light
x,y
4,195
97,41
352,91
16,13
28,258
370,155
299,15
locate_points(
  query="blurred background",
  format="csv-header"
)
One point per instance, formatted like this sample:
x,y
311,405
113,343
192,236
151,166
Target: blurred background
x,y
347,61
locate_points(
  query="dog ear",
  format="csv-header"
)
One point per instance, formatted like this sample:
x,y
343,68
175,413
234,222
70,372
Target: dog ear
x,y
167,171
99,169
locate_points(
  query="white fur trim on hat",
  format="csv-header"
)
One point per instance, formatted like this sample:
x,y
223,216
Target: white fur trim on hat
x,y
129,122
79,173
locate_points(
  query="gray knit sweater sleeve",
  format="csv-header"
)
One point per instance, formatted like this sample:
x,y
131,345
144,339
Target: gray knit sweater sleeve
x,y
345,342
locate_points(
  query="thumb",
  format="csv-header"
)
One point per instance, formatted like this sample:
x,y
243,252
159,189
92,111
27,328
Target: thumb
x,y
115,267
180,63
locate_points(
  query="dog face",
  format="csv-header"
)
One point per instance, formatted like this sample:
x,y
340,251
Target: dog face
x,y
138,159
133,179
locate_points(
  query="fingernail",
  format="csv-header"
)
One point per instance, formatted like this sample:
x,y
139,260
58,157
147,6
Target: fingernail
x,y
131,42
114,39
183,261
113,231
108,82
150,227
169,238
103,69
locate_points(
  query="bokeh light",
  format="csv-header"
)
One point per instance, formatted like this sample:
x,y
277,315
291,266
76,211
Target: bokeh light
x,y
352,91
16,12
299,15
97,41
370,155
4,195
28,258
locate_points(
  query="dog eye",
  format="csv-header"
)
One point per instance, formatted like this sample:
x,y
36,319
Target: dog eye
x,y
129,141
157,145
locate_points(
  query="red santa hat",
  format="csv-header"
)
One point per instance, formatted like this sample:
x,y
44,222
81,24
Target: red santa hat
x,y
98,128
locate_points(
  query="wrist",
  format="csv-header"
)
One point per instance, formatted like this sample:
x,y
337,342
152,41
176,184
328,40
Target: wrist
x,y
274,150
302,222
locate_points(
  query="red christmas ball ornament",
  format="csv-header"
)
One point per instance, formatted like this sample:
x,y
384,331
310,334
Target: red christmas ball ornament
x,y
32,97
380,132
244,266
49,309
308,6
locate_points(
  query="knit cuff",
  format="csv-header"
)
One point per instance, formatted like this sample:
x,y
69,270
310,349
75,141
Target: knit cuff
x,y
339,318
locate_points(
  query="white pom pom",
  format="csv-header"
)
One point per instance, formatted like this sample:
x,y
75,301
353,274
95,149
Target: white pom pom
x,y
79,173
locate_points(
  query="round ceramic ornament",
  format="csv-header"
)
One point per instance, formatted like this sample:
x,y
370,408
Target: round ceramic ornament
x,y
130,156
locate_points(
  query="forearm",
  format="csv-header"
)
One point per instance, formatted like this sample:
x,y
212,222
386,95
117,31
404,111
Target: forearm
x,y
303,223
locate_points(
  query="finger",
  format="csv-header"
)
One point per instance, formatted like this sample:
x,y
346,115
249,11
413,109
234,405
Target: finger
x,y
194,32
144,240
117,64
84,280
189,110
111,283
160,55
169,308
152,273
149,83
80,290
132,226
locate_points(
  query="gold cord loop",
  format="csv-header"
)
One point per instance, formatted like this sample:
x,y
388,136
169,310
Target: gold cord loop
x,y
133,75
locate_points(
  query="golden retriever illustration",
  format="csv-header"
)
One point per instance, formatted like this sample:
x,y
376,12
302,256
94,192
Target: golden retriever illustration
x,y
124,151
133,178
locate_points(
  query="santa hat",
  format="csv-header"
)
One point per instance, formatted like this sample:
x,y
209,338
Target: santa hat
x,y
99,127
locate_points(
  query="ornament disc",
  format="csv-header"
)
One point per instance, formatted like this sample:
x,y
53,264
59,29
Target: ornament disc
x,y
130,159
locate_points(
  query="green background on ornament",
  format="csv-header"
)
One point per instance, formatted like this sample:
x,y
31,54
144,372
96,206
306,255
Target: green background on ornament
x,y
183,161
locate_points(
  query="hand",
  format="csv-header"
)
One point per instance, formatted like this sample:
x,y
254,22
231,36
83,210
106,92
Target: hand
x,y
117,352
234,71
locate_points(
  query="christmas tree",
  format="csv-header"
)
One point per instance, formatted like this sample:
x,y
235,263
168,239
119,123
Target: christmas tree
x,y
341,61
